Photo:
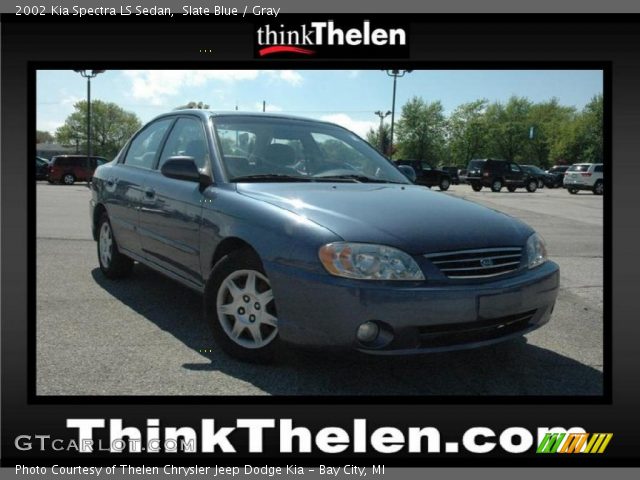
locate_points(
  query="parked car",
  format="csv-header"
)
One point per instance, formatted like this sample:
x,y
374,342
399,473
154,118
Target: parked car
x,y
335,254
42,168
585,176
544,179
558,174
427,175
68,169
453,173
496,174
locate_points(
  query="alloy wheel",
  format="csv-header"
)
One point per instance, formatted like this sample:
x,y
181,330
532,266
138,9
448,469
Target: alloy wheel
x,y
106,244
246,309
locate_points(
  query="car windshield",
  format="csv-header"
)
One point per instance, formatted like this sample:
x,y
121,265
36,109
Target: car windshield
x,y
475,164
276,149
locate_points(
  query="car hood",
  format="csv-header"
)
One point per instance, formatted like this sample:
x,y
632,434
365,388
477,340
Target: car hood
x,y
408,217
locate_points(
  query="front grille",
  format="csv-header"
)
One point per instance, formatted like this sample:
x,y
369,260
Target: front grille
x,y
482,263
482,330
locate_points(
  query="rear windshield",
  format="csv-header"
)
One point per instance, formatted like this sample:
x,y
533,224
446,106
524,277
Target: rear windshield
x,y
579,168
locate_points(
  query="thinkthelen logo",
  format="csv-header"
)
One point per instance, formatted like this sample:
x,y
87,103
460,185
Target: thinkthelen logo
x,y
309,39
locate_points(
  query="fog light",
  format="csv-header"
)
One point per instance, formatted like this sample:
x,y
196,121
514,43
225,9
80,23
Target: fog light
x,y
368,332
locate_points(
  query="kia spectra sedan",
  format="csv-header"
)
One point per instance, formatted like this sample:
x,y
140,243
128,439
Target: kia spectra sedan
x,y
299,232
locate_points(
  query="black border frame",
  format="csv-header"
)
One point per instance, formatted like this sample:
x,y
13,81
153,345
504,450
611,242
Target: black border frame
x,y
322,64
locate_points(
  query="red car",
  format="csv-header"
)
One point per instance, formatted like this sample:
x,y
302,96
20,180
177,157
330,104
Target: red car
x,y
68,169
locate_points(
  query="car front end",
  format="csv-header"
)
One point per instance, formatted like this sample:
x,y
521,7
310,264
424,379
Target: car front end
x,y
392,284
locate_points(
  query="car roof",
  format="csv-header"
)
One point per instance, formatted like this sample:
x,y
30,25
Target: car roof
x,y
235,113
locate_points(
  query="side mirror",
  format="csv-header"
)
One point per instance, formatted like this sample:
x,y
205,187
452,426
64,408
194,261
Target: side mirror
x,y
408,172
184,168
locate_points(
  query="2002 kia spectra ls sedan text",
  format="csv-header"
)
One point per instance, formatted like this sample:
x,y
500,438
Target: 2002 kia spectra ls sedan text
x,y
299,231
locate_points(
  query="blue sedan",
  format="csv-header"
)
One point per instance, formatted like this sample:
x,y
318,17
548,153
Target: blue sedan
x,y
297,231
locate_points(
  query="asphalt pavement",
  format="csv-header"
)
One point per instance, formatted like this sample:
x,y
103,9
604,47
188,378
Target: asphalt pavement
x,y
145,335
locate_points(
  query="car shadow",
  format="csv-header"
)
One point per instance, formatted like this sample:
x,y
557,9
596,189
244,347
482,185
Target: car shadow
x,y
510,368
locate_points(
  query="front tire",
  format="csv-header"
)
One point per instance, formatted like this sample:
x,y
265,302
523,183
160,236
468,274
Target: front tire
x,y
240,308
445,184
476,187
532,186
572,191
113,264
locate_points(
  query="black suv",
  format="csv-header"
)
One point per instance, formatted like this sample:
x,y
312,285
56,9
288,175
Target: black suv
x,y
497,174
427,175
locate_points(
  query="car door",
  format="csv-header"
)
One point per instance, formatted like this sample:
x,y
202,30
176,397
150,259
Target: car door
x,y
123,189
515,174
171,210
428,174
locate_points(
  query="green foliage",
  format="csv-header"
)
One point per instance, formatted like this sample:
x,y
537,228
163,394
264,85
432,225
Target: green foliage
x,y
420,132
43,137
374,138
111,127
481,129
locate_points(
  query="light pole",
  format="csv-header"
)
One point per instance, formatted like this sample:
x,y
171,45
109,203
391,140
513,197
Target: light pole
x,y
89,74
395,74
382,117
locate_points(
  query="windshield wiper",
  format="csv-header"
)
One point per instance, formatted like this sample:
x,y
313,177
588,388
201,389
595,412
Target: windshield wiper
x,y
271,177
354,177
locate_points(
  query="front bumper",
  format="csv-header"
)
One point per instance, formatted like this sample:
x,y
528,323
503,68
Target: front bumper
x,y
319,310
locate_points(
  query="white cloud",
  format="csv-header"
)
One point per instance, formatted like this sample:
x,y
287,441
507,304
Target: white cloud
x,y
361,127
154,86
290,76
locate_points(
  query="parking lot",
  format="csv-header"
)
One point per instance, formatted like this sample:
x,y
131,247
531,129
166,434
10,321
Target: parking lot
x,y
146,336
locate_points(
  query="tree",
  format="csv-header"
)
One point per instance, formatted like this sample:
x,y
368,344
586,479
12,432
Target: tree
x,y
547,120
111,127
467,131
421,130
592,125
509,128
43,137
373,137
198,105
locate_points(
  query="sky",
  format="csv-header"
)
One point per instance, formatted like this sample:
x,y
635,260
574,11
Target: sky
x,y
345,97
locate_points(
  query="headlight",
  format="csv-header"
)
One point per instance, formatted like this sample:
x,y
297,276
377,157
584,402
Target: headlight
x,y
536,251
365,261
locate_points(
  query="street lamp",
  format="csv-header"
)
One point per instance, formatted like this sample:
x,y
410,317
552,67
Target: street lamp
x,y
382,117
89,74
395,74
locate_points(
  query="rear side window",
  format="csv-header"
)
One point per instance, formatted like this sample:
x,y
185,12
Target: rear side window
x,y
144,148
598,169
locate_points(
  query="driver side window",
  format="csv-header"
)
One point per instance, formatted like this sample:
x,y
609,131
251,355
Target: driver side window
x,y
187,139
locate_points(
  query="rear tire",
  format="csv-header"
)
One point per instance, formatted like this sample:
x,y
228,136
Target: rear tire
x,y
240,308
68,179
598,188
113,264
476,187
532,186
572,191
445,183
496,185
